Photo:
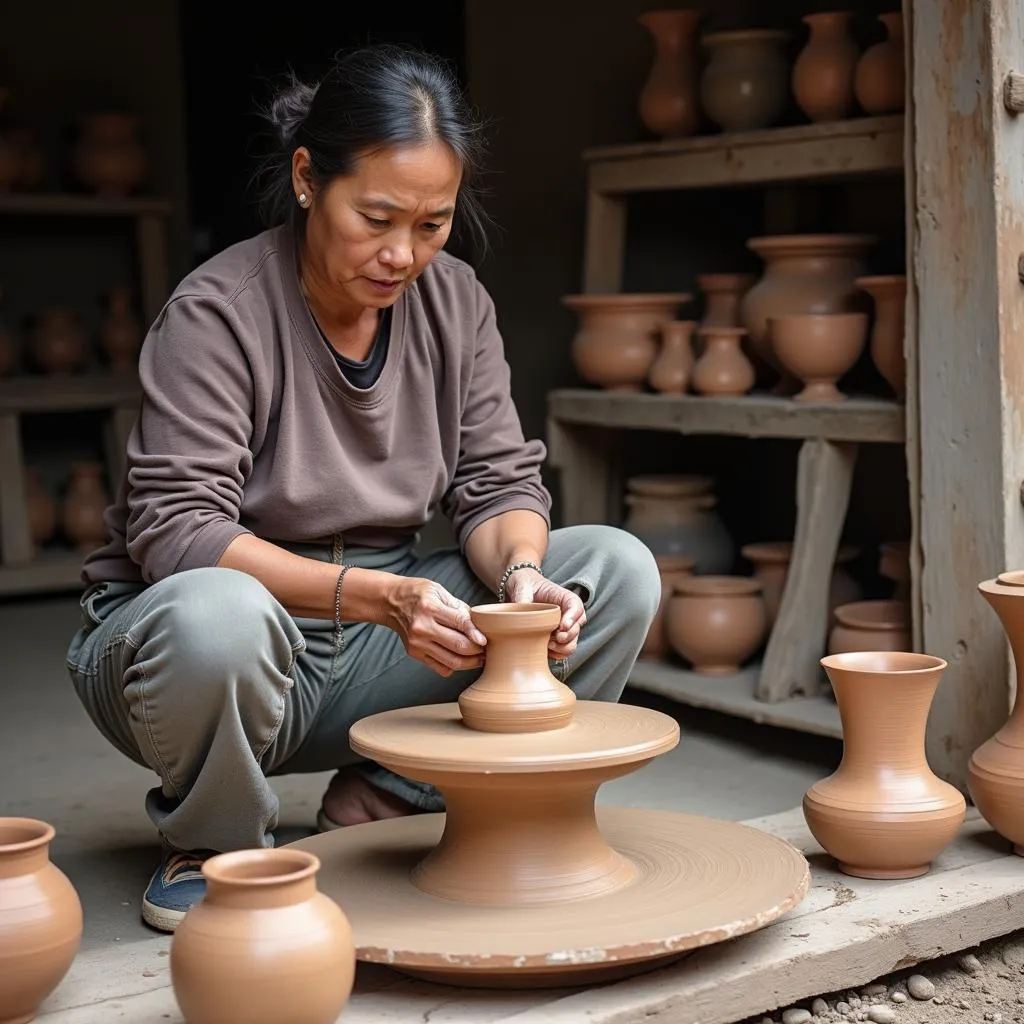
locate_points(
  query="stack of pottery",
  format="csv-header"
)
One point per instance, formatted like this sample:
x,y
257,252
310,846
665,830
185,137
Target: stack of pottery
x,y
671,370
745,84
870,626
818,349
672,569
668,99
889,293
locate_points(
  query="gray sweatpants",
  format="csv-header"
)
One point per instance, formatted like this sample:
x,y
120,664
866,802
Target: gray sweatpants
x,y
206,679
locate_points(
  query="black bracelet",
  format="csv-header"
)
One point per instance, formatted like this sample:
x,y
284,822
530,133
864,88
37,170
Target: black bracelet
x,y
503,582
338,636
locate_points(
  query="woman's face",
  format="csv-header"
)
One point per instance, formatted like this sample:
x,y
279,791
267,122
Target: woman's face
x,y
370,234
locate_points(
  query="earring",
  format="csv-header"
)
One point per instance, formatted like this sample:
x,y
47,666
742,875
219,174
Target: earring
x,y
302,199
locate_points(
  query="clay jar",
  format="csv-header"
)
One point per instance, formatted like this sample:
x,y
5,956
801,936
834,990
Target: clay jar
x,y
57,343
722,369
672,569
85,503
818,348
40,919
618,336
883,813
121,332
870,626
41,508
264,945
668,99
716,622
109,158
879,81
722,294
824,70
889,293
745,84
671,369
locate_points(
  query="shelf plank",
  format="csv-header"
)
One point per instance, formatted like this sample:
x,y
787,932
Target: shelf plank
x,y
859,146
56,204
51,571
869,420
734,695
67,394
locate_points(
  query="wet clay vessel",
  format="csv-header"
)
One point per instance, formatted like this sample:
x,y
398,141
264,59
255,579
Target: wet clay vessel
x,y
671,568
264,945
40,919
668,100
824,70
870,626
883,813
819,349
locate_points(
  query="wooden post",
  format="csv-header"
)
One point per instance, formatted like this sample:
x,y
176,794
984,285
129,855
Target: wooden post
x,y
605,242
587,459
15,538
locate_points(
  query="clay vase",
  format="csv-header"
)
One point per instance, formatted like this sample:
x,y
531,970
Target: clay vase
x,y
121,332
85,503
823,72
671,568
516,691
819,348
668,99
879,81
57,343
722,294
723,369
883,813
894,564
264,945
716,622
40,919
889,293
109,158
41,507
995,773
745,84
870,626
618,336
671,369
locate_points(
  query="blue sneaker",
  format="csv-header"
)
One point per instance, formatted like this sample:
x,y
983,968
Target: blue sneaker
x,y
176,886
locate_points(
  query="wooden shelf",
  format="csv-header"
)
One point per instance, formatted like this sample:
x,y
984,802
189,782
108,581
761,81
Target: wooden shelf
x,y
57,204
734,695
67,394
51,571
867,145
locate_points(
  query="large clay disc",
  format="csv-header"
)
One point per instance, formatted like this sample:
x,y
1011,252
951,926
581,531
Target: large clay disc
x,y
699,881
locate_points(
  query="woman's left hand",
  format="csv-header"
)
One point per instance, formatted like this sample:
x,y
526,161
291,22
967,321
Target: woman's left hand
x,y
526,585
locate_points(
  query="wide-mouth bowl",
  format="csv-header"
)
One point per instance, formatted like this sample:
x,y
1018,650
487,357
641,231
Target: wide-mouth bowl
x,y
810,245
514,616
873,615
717,586
261,867
834,328
20,834
889,662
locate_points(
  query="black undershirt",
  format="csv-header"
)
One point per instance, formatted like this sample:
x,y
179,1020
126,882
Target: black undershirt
x,y
364,373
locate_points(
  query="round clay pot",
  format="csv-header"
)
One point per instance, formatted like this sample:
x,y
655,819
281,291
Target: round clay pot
x,y
40,919
264,945
723,368
41,507
716,622
722,295
671,369
819,348
894,564
85,503
109,157
889,293
870,626
672,569
668,99
883,813
121,332
745,84
617,340
879,82
57,343
824,70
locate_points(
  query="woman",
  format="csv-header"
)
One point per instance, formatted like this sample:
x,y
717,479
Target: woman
x,y
309,397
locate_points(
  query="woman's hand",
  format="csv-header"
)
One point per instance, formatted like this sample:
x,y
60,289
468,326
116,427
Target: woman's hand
x,y
527,585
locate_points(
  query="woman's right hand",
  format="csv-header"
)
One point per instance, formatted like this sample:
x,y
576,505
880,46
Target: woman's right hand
x,y
435,627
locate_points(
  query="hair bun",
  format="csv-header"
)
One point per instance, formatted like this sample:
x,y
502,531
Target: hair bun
x,y
288,109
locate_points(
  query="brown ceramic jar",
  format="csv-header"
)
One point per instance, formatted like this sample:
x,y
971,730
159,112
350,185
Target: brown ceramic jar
x,y
880,80
673,366
57,342
672,568
819,349
824,70
870,626
889,293
745,83
668,99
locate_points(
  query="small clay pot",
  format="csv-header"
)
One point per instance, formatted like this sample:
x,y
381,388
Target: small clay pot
x,y
824,69
672,367
894,564
121,332
819,348
745,84
880,79
668,100
716,622
723,369
109,156
85,503
870,626
57,343
889,293
672,568
722,295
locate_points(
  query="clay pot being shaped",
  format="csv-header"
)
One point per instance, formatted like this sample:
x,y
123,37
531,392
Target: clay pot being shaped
x,y
879,82
85,503
716,622
883,813
745,84
668,99
819,348
264,945
41,507
121,332
889,293
40,919
894,564
824,70
672,367
722,368
109,157
870,626
57,343
671,568
722,295
618,336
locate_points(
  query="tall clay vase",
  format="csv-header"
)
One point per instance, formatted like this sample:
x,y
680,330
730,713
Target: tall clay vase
x,y
85,502
722,295
880,81
668,99
264,945
824,70
889,293
672,569
673,366
722,369
40,919
883,813
121,332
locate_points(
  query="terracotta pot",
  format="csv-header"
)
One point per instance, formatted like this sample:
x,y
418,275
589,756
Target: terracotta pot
x,y
722,368
824,70
722,295
894,564
671,369
819,348
41,507
668,99
716,622
879,82
771,568
57,343
617,340
672,569
85,503
264,945
745,84
121,332
883,813
109,157
31,163
870,626
889,293
40,919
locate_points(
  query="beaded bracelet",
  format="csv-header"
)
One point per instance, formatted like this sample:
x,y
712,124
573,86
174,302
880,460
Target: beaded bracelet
x,y
503,582
338,636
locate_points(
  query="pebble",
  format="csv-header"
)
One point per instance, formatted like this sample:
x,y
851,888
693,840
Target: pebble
x,y
1020,997
796,1016
899,997
940,1000
843,1007
876,988
970,964
882,1015
921,987
993,1016
963,1004
819,1007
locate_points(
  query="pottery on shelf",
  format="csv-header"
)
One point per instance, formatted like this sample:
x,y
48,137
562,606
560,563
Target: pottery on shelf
x,y
894,564
85,502
121,332
870,626
109,156
722,369
41,507
672,367
889,293
671,568
40,919
880,81
264,945
884,813
57,343
618,336
819,349
722,295
745,83
668,100
824,69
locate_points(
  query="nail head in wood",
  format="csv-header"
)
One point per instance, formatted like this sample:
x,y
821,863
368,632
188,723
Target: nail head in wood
x,y
1013,92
